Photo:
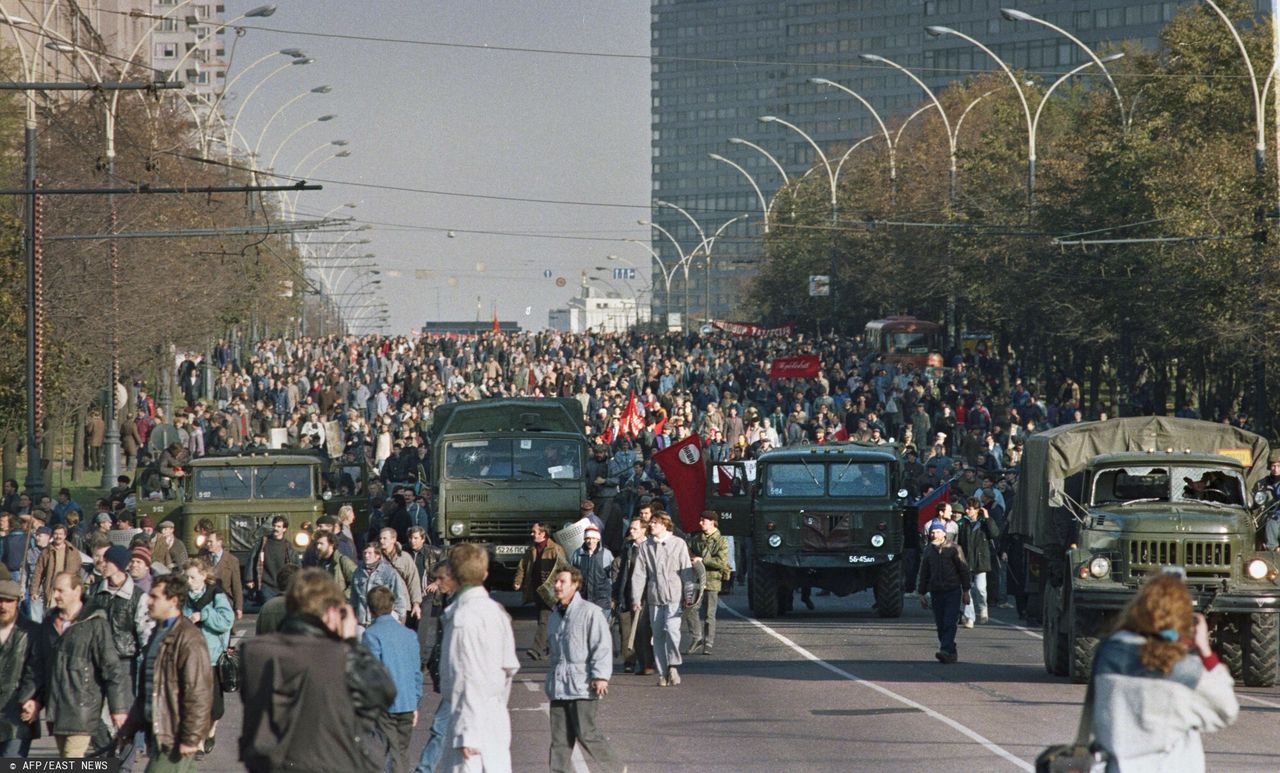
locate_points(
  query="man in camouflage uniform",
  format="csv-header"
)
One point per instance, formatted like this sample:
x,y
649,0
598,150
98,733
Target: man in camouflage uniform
x,y
709,548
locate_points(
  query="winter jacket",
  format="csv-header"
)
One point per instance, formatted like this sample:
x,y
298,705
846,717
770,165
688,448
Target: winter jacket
x,y
662,573
713,548
1151,722
943,568
181,691
396,647
21,662
81,669
597,575
975,538
365,580
126,610
581,650
216,618
534,569
289,688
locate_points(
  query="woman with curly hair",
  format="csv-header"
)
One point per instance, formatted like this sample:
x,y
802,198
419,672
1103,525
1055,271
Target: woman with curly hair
x,y
1158,685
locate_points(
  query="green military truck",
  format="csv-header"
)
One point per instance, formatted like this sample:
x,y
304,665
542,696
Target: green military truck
x,y
828,516
1105,505
240,494
499,466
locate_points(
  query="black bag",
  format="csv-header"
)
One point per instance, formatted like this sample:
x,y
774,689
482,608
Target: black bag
x,y
1077,757
228,669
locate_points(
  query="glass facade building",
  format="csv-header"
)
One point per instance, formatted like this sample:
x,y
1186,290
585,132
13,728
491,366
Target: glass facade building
x,y
718,65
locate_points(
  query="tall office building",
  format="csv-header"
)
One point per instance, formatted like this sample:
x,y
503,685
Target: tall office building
x,y
718,65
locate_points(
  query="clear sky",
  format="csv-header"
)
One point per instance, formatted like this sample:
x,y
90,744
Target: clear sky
x,y
458,120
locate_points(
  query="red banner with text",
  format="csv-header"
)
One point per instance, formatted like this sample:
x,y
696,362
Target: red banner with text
x,y
800,366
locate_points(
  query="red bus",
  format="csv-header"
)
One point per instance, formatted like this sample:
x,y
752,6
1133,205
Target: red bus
x,y
906,341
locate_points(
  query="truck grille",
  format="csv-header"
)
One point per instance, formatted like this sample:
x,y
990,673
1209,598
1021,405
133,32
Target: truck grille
x,y
1200,559
1208,554
244,532
1153,552
502,531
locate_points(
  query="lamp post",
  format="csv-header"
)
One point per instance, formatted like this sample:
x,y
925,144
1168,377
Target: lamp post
x,y
951,137
705,246
884,130
318,119
297,60
666,276
764,206
684,261
257,148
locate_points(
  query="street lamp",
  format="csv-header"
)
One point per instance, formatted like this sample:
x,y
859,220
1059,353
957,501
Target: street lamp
x,y
684,261
666,275
257,148
319,119
951,137
884,130
764,207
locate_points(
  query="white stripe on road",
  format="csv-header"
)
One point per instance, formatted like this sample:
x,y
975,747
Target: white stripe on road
x,y
1259,700
957,726
1027,631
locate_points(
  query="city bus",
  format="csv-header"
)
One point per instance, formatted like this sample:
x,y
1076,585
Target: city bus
x,y
906,341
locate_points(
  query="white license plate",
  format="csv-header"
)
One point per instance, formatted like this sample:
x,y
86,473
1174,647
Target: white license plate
x,y
508,550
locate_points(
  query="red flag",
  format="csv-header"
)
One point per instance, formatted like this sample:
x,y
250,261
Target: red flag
x,y
841,433
800,366
686,471
631,424
928,506
497,326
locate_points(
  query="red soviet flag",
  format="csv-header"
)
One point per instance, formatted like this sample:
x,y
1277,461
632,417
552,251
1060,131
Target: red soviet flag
x,y
631,423
686,471
800,366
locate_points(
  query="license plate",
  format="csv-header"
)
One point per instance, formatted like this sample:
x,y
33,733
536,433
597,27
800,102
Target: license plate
x,y
508,550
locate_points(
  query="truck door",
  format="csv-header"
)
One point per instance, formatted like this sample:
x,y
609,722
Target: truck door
x,y
729,494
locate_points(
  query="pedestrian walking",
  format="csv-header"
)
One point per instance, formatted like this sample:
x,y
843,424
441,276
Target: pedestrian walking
x,y
711,549
273,613
443,586
661,579
534,573
595,562
208,607
944,575
313,696
977,532
634,629
372,573
477,663
226,569
581,654
273,554
20,666
1158,685
175,693
396,647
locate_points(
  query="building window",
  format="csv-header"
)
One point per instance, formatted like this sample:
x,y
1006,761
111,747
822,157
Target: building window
x,y
166,50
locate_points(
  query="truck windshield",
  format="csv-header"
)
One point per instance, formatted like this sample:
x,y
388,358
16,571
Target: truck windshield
x,y
1168,484
222,483
796,480
859,479
514,459
284,482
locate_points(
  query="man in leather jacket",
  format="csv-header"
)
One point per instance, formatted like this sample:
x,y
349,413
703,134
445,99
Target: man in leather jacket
x,y
288,688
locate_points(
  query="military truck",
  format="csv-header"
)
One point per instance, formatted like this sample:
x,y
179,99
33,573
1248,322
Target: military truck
x,y
1106,505
499,466
240,494
829,516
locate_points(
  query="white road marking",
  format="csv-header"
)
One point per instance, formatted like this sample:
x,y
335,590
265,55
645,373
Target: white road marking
x,y
1027,631
957,726
532,686
1259,700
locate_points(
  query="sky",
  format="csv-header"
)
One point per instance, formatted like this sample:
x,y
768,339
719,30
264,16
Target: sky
x,y
450,142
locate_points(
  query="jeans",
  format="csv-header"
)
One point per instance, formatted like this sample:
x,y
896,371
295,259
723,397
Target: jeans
x,y
946,614
978,599
434,750
665,620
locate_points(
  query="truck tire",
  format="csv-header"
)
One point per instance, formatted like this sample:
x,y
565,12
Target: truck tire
x,y
1084,643
762,590
1228,640
1055,640
1261,649
888,589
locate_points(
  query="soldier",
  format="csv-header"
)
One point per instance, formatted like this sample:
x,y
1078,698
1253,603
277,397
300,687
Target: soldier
x,y
711,549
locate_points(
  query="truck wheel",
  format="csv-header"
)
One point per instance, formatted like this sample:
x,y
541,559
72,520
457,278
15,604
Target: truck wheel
x,y
762,590
888,590
1228,640
1084,643
1261,649
1055,640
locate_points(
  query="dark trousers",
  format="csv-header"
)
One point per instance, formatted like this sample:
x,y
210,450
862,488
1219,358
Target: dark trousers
x,y
946,615
540,635
574,722
168,762
399,728
641,653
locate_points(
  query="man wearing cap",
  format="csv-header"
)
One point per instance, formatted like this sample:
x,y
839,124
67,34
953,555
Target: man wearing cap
x,y
58,557
595,562
140,567
946,577
166,549
588,510
20,664
710,548
125,606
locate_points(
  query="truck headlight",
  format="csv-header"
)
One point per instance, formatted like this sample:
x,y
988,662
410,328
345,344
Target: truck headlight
x,y
301,540
877,540
1100,567
1257,569
775,540
456,528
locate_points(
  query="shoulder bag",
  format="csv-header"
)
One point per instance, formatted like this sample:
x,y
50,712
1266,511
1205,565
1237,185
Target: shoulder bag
x,y
1077,757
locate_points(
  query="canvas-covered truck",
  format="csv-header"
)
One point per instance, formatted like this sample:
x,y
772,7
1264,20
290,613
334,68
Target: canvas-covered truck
x,y
828,517
1105,505
499,466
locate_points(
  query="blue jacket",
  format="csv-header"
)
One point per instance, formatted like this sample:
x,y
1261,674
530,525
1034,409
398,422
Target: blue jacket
x,y
597,579
216,620
383,574
397,648
581,649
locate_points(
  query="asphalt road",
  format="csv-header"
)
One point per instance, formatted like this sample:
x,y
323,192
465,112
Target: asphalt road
x,y
835,689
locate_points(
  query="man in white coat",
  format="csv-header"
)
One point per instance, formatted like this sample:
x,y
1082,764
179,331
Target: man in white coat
x,y
477,664
661,579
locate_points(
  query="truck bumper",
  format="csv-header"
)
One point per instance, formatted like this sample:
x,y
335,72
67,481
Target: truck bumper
x,y
1235,601
839,561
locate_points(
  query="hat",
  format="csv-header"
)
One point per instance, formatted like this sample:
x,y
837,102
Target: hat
x,y
102,518
118,556
165,525
587,506
146,523
143,552
591,532
45,530
646,499
10,590
40,515
937,523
